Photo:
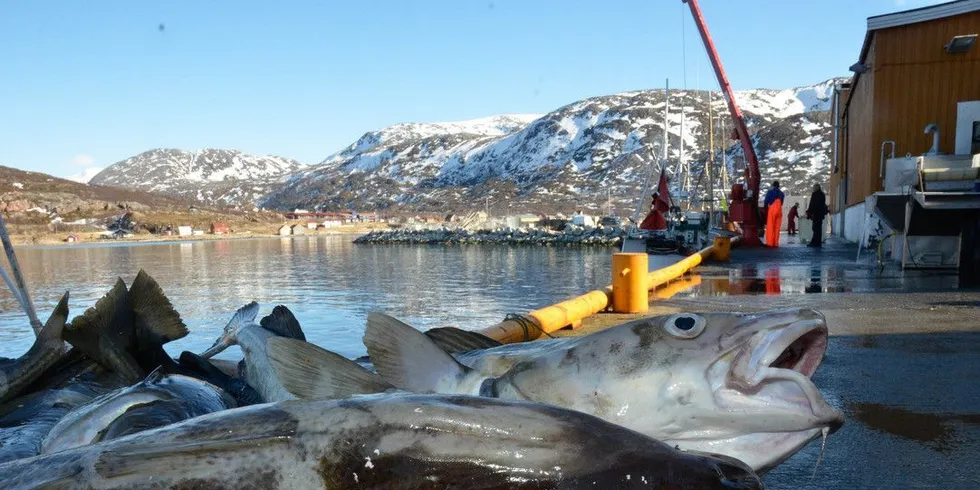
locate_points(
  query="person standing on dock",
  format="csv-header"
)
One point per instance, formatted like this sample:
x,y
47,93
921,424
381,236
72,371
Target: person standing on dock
x,y
774,205
817,211
794,213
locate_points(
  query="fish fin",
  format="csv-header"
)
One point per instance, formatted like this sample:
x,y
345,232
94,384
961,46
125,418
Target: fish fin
x,y
282,323
155,376
245,314
98,318
405,357
55,326
309,371
454,340
105,333
156,319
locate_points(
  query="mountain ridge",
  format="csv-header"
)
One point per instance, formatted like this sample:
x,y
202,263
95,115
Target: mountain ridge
x,y
595,145
210,175
575,155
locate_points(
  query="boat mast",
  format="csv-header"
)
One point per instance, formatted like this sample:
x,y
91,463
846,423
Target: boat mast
x,y
666,118
711,160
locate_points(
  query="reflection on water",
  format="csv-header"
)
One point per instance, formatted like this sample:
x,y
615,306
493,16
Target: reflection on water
x,y
774,279
328,282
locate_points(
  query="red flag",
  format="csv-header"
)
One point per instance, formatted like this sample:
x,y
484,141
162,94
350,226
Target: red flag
x,y
655,218
664,193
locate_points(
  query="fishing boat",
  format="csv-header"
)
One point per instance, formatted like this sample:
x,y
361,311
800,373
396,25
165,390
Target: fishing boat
x,y
683,227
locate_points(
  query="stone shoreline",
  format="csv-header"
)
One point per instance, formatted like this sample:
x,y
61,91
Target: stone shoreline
x,y
572,235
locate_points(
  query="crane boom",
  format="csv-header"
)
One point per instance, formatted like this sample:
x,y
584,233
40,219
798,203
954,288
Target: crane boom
x,y
745,211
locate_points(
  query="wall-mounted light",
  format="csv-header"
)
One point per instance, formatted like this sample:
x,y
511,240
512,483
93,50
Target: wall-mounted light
x,y
859,67
961,44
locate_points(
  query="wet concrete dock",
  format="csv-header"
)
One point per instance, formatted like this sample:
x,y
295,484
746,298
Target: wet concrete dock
x,y
912,404
903,362
855,295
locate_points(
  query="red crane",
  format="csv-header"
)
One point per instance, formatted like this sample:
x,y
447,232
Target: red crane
x,y
744,206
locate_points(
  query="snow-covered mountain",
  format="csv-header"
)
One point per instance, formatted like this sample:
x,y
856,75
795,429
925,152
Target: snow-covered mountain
x,y
85,176
212,176
575,155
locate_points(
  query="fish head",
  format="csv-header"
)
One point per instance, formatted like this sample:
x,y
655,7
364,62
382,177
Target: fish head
x,y
697,469
747,379
723,383
229,335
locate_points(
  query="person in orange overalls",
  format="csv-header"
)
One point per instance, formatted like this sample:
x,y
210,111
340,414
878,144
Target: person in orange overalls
x,y
774,204
794,214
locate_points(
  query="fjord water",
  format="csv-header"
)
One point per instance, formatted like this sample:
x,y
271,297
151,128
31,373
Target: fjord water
x,y
329,283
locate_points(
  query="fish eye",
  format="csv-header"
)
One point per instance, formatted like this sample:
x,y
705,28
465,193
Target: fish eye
x,y
685,325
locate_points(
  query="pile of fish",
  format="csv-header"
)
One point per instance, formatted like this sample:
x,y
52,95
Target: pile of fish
x,y
699,401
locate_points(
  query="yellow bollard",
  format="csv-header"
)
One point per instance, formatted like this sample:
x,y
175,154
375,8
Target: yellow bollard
x,y
629,282
722,248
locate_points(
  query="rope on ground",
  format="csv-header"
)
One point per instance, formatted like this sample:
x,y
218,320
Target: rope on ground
x,y
525,323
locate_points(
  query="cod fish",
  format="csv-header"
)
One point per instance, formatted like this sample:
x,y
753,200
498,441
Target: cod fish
x,y
117,339
193,365
157,401
253,338
725,383
18,374
26,421
390,441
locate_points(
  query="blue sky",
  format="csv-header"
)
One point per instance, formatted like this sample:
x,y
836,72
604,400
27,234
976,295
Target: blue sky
x,y
86,84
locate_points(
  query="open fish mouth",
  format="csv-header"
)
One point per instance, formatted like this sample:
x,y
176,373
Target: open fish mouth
x,y
776,366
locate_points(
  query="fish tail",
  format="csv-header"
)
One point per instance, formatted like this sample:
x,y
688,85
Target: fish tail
x,y
282,323
156,319
405,357
98,319
54,328
105,333
311,372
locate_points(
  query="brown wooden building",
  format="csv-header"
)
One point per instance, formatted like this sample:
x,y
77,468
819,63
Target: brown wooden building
x,y
916,67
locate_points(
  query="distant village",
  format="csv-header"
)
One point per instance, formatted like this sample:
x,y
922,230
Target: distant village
x,y
301,221
304,222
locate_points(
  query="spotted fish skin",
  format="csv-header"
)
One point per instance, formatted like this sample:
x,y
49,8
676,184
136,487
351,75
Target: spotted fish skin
x,y
400,441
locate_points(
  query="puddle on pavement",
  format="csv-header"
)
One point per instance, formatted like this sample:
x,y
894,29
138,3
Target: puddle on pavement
x,y
805,279
935,431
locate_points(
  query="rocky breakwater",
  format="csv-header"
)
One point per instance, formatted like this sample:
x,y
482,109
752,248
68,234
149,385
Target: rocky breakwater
x,y
571,235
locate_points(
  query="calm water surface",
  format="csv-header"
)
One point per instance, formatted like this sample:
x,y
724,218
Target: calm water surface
x,y
911,400
329,283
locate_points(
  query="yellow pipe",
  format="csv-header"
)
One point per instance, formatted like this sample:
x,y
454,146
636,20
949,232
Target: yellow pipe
x,y
664,275
629,280
573,311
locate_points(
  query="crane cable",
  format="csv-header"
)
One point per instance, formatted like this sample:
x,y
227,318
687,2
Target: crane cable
x,y
684,44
